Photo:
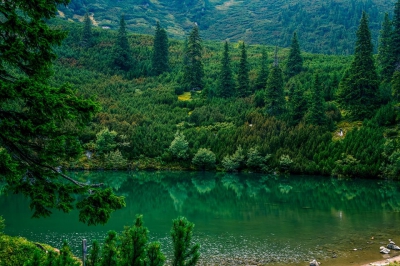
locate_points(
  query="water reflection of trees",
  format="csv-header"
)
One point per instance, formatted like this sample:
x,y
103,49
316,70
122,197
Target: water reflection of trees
x,y
232,194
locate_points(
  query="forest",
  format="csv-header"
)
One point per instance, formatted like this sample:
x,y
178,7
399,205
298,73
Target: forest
x,y
254,108
323,26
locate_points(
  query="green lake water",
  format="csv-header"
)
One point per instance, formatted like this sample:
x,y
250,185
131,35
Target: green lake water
x,y
239,218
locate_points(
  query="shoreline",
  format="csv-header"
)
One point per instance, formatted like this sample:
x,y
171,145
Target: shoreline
x,y
383,262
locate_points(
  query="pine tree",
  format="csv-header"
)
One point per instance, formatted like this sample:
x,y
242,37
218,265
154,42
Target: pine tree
x,y
297,103
109,251
185,254
122,52
294,63
316,113
32,109
94,256
134,241
385,59
274,96
160,51
395,47
193,69
243,88
262,77
396,85
358,91
154,255
226,86
86,38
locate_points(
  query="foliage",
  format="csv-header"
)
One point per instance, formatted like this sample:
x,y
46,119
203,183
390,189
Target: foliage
x,y
154,255
185,253
395,45
86,39
40,122
105,141
94,256
274,96
66,258
254,160
261,81
316,113
193,69
122,54
294,64
243,88
359,89
346,167
2,225
204,159
285,163
109,253
133,243
391,153
234,162
160,51
226,84
385,58
179,146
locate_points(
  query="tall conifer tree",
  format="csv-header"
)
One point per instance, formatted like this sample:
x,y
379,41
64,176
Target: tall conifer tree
x,y
274,95
160,51
358,91
262,77
385,58
193,69
294,63
86,38
226,86
122,51
243,88
316,112
396,85
297,103
396,35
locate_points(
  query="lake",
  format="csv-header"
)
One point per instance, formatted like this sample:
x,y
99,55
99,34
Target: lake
x,y
239,218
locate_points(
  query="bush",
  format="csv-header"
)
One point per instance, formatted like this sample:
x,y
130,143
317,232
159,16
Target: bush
x,y
204,159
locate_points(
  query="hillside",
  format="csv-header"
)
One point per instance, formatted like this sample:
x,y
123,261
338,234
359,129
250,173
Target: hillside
x,y
323,26
141,113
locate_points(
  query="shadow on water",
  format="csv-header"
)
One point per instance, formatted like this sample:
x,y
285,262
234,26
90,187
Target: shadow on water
x,y
247,218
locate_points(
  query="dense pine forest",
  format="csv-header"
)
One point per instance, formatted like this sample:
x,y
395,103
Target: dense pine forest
x,y
231,106
323,26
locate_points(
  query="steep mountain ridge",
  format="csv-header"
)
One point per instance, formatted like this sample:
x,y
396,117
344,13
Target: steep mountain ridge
x,y
323,26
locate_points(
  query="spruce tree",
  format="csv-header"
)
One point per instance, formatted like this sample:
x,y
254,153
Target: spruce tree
x,y
154,255
396,35
396,85
185,253
316,113
122,51
193,68
133,244
86,38
109,255
226,84
243,88
358,91
274,95
160,51
261,81
385,58
294,63
94,255
297,103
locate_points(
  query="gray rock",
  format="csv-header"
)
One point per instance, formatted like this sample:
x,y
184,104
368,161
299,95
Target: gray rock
x,y
393,246
384,250
314,263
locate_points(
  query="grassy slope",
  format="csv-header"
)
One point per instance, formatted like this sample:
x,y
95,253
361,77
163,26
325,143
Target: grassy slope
x,y
323,26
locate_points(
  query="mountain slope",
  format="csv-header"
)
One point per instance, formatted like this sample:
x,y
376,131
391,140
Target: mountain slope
x,y
323,26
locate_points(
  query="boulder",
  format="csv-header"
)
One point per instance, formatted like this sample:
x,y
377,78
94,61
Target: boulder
x,y
384,250
314,263
393,246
